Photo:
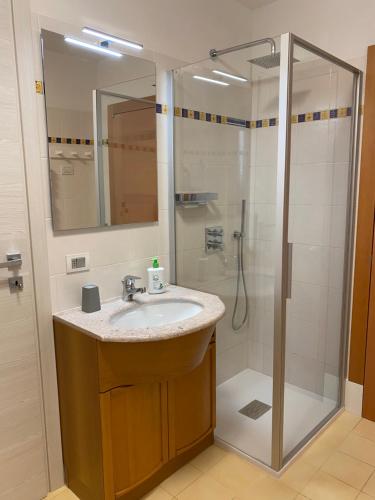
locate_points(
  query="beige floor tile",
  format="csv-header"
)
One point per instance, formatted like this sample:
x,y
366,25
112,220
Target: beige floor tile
x,y
180,479
157,494
366,429
236,473
208,458
334,436
268,488
360,448
325,487
363,496
206,488
63,493
298,475
347,420
369,487
338,430
318,453
53,494
348,469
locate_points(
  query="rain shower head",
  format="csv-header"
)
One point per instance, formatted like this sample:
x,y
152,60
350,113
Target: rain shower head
x,y
269,61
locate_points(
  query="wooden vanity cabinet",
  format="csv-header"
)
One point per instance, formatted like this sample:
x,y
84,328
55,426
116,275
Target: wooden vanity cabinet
x,y
124,430
191,405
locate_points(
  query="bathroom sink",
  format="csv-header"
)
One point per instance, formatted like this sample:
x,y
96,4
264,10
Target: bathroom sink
x,y
158,313
152,338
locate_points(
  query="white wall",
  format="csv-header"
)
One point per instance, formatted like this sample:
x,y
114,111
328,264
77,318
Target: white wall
x,y
214,158
182,30
187,30
343,27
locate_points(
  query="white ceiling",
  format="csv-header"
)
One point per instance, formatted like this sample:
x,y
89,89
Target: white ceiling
x,y
253,4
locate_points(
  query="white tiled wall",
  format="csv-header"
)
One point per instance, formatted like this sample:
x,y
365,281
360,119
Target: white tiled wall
x,y
265,91
318,203
209,158
212,158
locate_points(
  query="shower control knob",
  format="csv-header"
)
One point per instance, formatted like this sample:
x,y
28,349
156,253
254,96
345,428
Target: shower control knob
x,y
214,239
215,232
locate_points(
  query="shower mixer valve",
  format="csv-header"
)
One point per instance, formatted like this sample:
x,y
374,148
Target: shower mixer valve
x,y
214,239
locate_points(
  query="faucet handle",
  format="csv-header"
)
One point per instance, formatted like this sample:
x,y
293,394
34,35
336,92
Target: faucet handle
x,y
129,278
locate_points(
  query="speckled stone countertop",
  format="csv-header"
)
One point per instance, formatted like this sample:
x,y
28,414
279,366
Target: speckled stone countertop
x,y
99,326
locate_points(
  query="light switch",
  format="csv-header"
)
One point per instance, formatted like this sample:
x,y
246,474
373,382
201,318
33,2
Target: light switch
x,y
78,262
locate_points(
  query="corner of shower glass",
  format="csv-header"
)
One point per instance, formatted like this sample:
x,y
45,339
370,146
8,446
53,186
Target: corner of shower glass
x,y
318,151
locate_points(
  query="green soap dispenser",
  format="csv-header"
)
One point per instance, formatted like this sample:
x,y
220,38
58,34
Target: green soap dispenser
x,y
156,282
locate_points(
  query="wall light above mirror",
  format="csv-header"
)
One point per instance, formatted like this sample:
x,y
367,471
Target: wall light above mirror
x,y
110,38
101,123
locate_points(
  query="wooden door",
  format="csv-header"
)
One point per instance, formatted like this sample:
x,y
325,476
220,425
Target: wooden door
x,y
23,470
191,405
132,165
135,435
364,230
368,410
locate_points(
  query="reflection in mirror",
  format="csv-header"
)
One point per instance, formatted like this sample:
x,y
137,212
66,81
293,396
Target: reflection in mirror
x,y
102,136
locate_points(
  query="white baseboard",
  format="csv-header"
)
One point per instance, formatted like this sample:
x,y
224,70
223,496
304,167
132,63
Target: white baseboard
x,y
353,397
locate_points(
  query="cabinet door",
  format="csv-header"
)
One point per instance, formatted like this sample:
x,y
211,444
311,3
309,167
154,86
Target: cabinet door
x,y
191,405
135,443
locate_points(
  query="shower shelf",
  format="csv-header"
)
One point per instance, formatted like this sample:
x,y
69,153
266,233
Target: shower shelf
x,y
194,199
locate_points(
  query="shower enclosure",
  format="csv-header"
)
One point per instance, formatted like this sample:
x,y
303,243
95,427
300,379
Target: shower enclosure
x,y
265,153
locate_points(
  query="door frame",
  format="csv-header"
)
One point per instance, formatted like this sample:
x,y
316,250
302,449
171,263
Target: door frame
x,y
364,236
368,407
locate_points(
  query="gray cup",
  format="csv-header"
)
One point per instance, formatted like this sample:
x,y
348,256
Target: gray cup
x,y
90,298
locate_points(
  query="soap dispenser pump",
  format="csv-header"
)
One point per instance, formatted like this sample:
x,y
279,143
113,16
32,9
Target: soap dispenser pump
x,y
156,283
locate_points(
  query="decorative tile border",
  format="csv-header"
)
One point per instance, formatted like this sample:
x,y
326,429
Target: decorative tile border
x,y
266,122
326,114
130,147
161,108
90,142
70,140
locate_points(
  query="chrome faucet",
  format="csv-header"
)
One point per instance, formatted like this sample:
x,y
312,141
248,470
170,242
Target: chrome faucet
x,y
130,289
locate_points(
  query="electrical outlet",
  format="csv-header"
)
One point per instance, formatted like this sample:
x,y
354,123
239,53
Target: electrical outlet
x,y
77,263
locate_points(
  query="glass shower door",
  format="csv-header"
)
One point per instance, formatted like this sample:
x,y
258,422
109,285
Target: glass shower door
x,y
316,239
225,148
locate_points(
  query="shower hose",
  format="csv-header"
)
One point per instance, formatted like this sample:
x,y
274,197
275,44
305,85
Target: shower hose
x,y
240,277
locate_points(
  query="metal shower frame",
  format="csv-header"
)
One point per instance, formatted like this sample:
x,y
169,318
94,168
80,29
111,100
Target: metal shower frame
x,y
283,262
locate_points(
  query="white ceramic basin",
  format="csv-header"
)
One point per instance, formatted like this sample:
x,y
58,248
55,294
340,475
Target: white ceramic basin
x,y
155,314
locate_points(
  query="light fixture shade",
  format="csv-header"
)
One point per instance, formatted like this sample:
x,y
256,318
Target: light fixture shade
x,y
229,75
211,80
90,46
111,38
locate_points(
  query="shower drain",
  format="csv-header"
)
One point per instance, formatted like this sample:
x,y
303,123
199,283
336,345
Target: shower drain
x,y
255,409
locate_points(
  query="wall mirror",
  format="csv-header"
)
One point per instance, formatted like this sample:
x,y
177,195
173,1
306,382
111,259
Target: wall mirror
x,y
101,125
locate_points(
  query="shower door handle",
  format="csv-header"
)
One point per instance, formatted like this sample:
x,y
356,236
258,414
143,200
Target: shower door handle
x,y
289,271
